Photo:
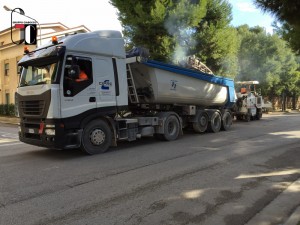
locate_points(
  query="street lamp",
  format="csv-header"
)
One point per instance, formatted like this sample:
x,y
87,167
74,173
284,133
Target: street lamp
x,y
21,12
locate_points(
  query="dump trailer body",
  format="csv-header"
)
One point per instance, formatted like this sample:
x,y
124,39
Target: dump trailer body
x,y
161,83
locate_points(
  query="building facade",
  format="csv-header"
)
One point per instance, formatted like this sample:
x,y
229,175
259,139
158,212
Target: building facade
x,y
10,54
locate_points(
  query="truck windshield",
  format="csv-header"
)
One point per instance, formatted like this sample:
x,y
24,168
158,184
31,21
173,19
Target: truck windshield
x,y
34,75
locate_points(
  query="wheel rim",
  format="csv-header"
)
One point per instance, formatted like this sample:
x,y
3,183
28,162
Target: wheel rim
x,y
203,121
171,128
97,137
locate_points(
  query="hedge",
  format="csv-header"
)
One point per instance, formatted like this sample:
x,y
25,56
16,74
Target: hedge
x,y
7,110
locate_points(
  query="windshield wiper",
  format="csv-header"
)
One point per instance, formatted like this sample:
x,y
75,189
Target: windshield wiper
x,y
24,83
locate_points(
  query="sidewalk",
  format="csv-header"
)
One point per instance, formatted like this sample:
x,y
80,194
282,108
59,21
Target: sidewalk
x,y
285,203
9,120
278,112
294,218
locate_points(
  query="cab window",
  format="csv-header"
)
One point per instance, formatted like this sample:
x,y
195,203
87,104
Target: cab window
x,y
77,75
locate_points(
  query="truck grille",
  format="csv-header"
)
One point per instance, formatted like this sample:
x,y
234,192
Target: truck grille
x,y
32,108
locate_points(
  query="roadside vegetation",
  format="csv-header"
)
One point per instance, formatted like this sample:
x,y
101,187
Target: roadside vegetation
x,y
174,29
7,110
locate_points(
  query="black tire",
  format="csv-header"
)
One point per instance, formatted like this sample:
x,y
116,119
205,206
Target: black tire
x,y
96,137
215,122
171,128
258,115
247,117
201,123
226,121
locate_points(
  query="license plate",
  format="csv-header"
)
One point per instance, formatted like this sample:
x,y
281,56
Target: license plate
x,y
31,131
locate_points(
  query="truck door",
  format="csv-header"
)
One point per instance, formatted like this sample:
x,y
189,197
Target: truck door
x,y
79,89
105,85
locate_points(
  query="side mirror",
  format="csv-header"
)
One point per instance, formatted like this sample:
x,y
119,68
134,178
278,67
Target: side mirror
x,y
74,71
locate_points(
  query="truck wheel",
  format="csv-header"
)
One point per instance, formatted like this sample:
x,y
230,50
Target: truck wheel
x,y
258,115
96,137
201,123
247,117
171,128
215,122
226,121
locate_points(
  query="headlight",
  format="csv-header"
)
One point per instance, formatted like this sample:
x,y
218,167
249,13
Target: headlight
x,y
50,132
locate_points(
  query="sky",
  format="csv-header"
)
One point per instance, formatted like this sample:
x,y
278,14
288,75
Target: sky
x,y
95,15
244,12
100,15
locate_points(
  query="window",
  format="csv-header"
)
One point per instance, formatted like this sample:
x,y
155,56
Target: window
x,y
7,99
77,75
36,75
6,69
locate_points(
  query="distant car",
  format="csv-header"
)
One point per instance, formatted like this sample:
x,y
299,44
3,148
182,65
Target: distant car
x,y
267,106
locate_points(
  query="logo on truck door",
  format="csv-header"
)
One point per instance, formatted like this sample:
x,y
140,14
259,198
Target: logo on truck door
x,y
105,88
105,85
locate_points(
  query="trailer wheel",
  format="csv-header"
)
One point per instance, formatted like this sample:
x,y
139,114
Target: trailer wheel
x,y
171,128
201,123
226,121
96,137
215,122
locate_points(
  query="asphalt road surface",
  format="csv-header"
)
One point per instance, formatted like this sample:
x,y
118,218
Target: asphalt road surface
x,y
248,175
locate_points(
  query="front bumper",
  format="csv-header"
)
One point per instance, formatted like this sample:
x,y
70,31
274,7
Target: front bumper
x,y
34,133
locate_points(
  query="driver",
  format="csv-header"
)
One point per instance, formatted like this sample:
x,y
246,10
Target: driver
x,y
82,76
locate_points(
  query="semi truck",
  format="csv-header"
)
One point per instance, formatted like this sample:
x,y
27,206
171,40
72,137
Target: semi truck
x,y
122,99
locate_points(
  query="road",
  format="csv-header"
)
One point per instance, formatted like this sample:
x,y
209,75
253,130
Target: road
x,y
248,175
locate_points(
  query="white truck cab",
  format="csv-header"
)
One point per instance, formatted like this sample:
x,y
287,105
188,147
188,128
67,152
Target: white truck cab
x,y
53,105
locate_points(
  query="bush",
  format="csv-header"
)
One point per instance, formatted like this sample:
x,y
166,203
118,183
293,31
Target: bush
x,y
7,110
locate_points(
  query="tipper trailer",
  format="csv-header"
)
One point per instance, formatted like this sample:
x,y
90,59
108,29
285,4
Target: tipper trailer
x,y
122,99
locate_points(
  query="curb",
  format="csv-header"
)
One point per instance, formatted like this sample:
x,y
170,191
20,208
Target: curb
x,y
294,218
280,208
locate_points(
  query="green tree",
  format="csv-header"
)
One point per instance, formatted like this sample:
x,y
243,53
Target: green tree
x,y
287,12
172,29
284,10
160,26
289,33
217,42
268,59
